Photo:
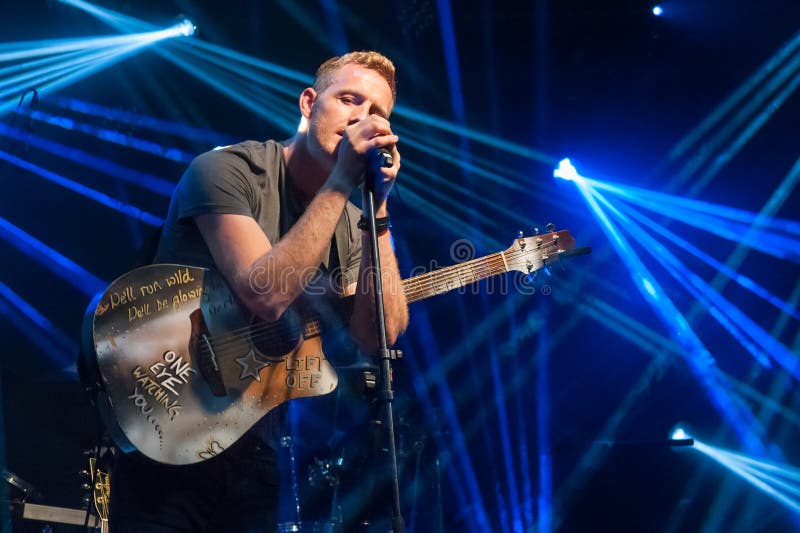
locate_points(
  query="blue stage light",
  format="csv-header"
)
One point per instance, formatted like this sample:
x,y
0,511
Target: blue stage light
x,y
679,434
738,98
760,231
680,438
777,481
186,27
112,136
137,178
649,287
33,325
688,207
682,244
237,73
60,264
473,135
695,353
97,53
148,122
112,18
44,327
543,410
83,190
658,10
728,315
566,171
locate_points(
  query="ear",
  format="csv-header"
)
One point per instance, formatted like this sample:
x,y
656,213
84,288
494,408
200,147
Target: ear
x,y
307,99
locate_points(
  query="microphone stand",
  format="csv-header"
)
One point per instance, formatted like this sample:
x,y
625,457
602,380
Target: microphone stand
x,y
385,393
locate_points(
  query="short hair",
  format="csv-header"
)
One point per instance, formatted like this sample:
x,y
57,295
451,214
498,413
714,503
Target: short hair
x,y
368,59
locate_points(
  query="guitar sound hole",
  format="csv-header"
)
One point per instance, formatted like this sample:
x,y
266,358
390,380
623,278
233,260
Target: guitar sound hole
x,y
274,340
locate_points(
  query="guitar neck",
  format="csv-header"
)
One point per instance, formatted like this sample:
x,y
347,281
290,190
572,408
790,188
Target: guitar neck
x,y
452,277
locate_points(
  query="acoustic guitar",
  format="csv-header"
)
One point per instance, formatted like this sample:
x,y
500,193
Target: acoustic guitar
x,y
185,370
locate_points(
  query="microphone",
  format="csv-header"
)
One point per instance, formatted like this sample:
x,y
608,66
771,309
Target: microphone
x,y
382,158
376,160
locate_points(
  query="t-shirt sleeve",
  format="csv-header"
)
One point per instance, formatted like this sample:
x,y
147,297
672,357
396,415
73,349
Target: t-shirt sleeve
x,y
216,182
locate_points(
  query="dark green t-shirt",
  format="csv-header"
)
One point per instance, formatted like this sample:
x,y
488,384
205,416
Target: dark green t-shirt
x,y
249,178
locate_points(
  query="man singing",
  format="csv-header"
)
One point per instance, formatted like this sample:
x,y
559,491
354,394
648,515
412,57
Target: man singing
x,y
265,214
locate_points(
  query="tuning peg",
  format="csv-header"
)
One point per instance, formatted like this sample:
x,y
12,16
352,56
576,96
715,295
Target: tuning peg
x,y
536,231
531,277
547,270
521,239
550,227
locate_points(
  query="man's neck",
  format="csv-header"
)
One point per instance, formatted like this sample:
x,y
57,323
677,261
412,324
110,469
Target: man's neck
x,y
306,172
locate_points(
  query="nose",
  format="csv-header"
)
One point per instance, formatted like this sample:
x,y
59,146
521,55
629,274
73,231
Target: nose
x,y
359,113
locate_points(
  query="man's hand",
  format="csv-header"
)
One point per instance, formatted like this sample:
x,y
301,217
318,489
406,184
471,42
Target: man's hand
x,y
358,141
385,176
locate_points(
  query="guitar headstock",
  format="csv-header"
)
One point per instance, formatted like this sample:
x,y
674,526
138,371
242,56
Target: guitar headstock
x,y
529,254
101,492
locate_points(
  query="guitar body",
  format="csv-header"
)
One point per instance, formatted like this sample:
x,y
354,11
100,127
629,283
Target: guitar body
x,y
185,372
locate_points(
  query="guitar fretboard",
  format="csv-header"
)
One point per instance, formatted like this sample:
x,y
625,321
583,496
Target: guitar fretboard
x,y
454,276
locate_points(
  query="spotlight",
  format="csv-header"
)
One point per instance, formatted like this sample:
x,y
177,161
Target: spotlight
x,y
680,437
186,27
679,434
658,10
565,170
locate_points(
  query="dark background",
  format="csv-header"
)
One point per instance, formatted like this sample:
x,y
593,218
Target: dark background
x,y
605,83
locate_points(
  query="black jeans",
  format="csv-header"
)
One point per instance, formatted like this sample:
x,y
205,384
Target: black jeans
x,y
236,492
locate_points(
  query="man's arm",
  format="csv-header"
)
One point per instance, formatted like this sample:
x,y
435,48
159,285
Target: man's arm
x,y
266,277
363,325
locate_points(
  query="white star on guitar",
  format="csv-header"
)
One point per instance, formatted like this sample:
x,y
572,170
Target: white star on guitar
x,y
251,366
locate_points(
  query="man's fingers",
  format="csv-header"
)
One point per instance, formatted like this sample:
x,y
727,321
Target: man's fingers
x,y
371,127
383,141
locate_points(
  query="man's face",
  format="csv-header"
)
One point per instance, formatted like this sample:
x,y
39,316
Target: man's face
x,y
355,93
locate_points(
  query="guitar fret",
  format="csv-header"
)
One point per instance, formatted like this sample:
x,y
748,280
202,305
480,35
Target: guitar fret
x,y
449,278
461,282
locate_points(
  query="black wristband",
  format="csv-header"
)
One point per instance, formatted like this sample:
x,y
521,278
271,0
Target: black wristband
x,y
382,224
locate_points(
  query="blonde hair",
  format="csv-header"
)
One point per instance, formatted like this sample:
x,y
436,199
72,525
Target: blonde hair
x,y
371,60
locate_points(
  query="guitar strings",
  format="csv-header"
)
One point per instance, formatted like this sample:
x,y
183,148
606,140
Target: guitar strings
x,y
263,331
416,286
424,283
453,272
427,282
511,255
